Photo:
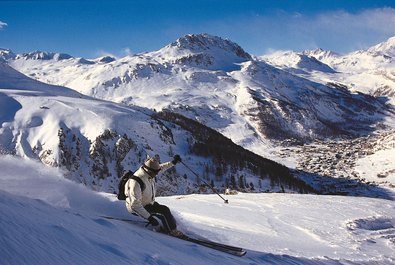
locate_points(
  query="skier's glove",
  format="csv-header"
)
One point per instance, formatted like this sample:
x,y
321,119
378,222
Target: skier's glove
x,y
176,159
152,220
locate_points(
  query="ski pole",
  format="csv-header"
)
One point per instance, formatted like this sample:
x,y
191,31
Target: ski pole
x,y
226,201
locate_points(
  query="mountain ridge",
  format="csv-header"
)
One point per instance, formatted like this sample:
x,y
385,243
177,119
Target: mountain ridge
x,y
258,103
170,76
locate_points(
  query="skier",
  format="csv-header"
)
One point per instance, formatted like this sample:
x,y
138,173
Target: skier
x,y
140,195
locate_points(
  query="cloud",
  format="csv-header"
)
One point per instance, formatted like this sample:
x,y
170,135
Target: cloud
x,y
350,30
103,53
340,30
380,20
122,53
127,51
3,25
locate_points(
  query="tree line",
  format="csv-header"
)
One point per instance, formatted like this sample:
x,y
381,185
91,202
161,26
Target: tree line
x,y
227,155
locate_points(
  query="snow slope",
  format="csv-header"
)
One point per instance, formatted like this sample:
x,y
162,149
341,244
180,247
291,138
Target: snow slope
x,y
61,127
47,219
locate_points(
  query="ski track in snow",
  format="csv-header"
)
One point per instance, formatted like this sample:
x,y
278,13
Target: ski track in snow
x,y
46,219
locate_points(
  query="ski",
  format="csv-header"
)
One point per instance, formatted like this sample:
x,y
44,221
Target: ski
x,y
209,242
236,251
123,219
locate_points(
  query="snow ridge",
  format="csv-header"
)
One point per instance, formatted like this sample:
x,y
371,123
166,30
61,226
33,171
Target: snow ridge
x,y
39,55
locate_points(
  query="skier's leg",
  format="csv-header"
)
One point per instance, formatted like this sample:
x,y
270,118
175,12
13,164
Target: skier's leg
x,y
169,221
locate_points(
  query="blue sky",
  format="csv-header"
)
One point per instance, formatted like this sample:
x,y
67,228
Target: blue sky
x,y
95,28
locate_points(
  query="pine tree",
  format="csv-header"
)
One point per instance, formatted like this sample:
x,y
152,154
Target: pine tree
x,y
170,152
232,183
241,182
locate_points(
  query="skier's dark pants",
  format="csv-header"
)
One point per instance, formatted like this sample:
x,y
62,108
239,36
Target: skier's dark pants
x,y
163,212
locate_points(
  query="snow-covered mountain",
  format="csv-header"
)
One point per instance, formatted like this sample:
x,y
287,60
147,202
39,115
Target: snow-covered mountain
x,y
369,71
283,106
95,141
300,62
203,51
386,48
216,82
321,55
6,54
37,55
258,103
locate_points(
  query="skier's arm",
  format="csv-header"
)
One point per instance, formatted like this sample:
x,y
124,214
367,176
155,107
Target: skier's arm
x,y
166,166
135,197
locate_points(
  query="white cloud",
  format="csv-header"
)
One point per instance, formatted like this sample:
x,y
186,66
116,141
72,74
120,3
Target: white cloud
x,y
122,53
347,30
340,31
102,53
3,25
380,20
127,51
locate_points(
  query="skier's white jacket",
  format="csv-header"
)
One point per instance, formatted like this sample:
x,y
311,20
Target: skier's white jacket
x,y
135,199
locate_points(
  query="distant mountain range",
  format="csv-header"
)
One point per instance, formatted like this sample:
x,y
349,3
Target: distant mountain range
x,y
260,103
303,96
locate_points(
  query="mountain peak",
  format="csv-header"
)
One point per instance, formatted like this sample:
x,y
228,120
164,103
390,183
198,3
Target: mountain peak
x,y
320,54
386,48
204,42
106,59
205,51
6,54
40,55
294,61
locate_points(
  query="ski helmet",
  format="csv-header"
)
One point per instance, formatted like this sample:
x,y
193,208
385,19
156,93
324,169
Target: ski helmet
x,y
152,164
